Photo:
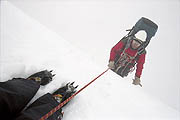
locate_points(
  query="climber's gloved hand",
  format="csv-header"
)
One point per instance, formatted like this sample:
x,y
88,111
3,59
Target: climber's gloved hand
x,y
111,65
137,81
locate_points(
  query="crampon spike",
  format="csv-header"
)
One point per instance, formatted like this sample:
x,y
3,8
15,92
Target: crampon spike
x,y
76,86
72,83
67,83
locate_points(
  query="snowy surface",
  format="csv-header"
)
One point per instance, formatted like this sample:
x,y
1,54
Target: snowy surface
x,y
94,26
27,46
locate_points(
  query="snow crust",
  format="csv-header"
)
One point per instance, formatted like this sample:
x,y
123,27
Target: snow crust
x,y
28,47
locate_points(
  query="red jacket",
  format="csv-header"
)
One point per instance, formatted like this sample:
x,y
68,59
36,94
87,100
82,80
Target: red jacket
x,y
140,61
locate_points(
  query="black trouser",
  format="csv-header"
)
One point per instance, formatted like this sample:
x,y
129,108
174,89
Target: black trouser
x,y
15,94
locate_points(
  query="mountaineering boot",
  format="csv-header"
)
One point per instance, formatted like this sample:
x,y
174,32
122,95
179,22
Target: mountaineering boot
x,y
65,92
70,88
42,77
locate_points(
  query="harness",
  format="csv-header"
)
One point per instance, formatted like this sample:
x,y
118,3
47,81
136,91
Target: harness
x,y
123,63
125,60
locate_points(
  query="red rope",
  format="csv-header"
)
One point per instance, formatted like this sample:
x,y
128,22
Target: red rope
x,y
68,99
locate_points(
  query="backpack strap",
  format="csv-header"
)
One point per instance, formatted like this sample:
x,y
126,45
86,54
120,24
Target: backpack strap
x,y
126,40
142,52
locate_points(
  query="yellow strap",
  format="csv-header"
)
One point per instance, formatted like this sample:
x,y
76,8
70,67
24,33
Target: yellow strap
x,y
58,95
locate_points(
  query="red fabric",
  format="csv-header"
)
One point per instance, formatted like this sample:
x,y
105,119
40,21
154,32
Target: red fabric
x,y
117,50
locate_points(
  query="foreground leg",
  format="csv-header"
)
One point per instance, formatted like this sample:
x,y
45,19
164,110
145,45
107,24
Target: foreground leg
x,y
15,95
41,107
46,103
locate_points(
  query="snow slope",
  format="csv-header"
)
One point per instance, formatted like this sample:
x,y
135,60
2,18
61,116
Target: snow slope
x,y
27,47
88,23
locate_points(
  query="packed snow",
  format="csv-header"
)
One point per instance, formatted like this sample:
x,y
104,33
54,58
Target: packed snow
x,y
28,47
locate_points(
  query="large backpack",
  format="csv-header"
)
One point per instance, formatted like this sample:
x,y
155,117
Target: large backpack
x,y
143,24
